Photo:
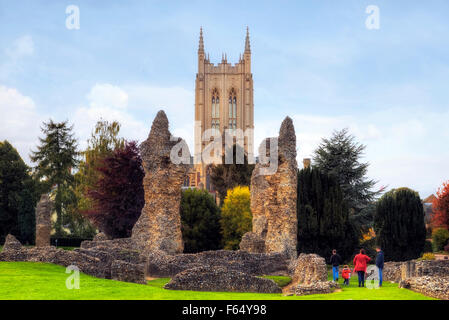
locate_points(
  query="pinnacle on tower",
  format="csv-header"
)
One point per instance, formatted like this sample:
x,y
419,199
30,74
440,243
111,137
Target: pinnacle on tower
x,y
247,45
201,45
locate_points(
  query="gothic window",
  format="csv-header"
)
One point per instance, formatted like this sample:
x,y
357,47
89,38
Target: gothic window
x,y
215,110
232,108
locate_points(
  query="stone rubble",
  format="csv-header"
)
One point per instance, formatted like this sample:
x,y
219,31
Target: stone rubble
x,y
220,279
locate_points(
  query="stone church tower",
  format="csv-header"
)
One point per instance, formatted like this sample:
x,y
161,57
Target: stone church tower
x,y
223,100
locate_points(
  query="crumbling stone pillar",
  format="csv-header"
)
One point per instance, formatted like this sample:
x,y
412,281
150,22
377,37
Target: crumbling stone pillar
x,y
159,225
408,269
273,199
43,221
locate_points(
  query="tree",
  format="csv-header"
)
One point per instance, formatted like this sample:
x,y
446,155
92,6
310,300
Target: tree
x,y
102,143
17,195
440,236
236,217
200,217
340,156
56,156
399,224
323,218
118,195
440,206
227,176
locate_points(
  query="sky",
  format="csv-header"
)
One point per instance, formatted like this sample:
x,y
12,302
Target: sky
x,y
315,61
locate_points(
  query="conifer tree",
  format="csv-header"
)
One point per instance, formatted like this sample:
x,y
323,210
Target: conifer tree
x,y
340,156
323,217
399,224
200,218
17,195
56,157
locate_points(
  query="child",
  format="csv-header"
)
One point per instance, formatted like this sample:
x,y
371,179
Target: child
x,y
346,274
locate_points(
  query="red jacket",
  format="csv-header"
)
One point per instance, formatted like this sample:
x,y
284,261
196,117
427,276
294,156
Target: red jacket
x,y
360,261
346,273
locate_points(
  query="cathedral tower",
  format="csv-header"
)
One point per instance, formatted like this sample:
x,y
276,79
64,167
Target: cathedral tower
x,y
223,100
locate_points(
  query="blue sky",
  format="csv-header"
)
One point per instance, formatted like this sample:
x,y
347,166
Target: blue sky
x,y
312,60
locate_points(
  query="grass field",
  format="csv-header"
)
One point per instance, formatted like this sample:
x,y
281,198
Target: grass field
x,y
32,280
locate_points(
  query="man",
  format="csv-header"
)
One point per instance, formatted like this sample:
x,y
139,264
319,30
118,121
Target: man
x,y
380,264
335,262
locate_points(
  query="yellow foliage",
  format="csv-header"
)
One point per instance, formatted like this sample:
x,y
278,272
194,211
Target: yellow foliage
x,y
369,235
236,217
428,256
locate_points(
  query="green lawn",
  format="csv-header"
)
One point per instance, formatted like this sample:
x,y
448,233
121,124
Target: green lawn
x,y
32,280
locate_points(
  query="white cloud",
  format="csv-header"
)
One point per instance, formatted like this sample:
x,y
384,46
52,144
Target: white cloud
x,y
20,121
21,47
125,103
107,95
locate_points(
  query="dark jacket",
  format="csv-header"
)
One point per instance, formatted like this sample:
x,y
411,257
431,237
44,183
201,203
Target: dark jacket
x,y
335,260
380,259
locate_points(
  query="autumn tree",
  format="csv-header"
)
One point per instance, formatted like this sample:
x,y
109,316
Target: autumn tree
x,y
118,195
236,217
56,157
103,141
440,217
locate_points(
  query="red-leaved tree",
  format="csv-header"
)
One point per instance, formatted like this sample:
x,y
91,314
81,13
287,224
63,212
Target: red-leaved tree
x,y
441,207
118,195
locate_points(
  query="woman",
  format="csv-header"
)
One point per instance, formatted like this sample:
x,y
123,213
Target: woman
x,y
360,262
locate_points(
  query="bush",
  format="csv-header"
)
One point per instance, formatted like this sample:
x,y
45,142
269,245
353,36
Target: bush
x,y
428,247
200,221
428,256
439,239
236,217
446,248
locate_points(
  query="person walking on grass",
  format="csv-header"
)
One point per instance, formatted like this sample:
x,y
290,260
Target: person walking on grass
x,y
335,262
360,262
346,274
380,264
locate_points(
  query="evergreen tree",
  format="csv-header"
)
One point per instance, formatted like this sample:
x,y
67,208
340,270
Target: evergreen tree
x,y
227,176
17,195
340,156
200,217
236,217
118,195
56,156
399,224
323,218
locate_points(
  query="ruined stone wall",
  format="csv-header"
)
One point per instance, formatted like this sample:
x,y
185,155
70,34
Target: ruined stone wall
x,y
436,287
159,226
273,199
43,221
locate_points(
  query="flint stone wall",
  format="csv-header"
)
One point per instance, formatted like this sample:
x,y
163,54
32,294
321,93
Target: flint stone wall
x,y
159,225
162,265
273,199
397,271
43,221
436,287
220,279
